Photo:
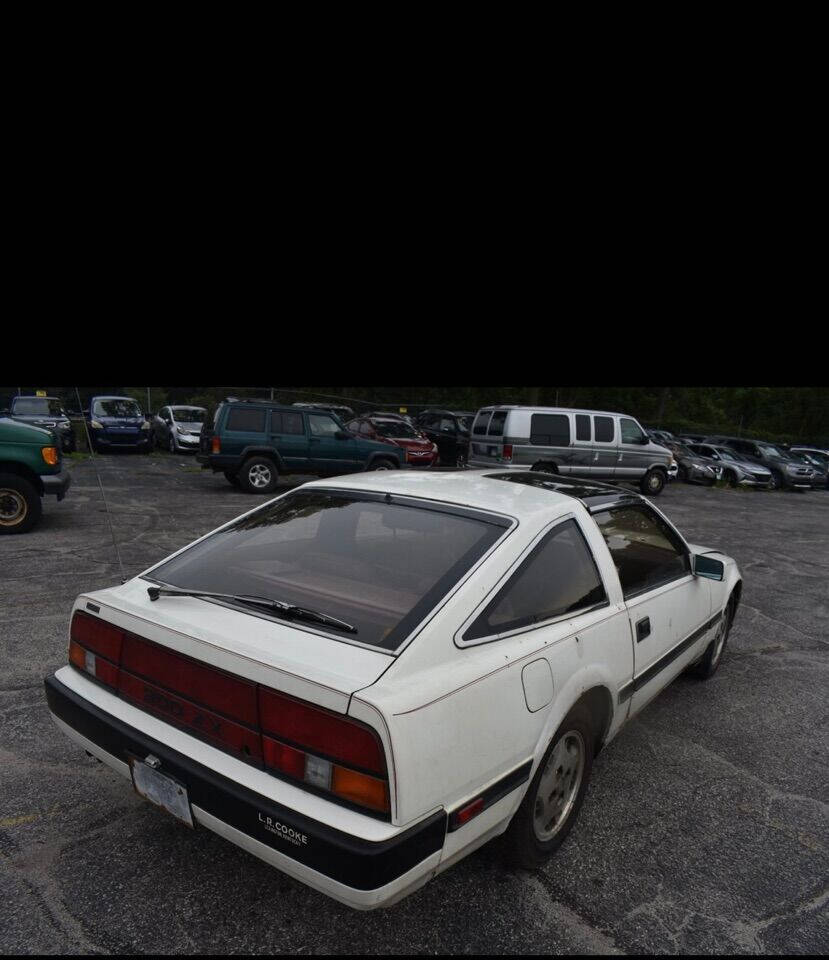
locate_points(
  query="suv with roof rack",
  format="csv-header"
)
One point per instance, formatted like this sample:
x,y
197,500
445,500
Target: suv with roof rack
x,y
578,443
252,442
367,678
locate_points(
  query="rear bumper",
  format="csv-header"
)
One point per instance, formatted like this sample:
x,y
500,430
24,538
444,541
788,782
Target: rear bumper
x,y
56,485
361,873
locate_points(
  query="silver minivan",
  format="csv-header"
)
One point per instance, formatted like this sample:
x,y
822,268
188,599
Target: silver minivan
x,y
579,443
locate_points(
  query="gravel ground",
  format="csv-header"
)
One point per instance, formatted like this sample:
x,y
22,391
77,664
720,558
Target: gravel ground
x,y
704,829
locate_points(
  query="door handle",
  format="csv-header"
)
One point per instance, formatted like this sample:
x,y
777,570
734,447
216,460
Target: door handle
x,y
643,628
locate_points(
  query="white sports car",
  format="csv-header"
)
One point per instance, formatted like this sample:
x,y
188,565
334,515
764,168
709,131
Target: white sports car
x,y
368,677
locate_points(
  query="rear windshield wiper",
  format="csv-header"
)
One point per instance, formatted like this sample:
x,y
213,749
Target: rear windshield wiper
x,y
289,610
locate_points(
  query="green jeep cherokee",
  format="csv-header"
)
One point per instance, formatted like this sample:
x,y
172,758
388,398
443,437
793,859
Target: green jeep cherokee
x,y
253,441
30,468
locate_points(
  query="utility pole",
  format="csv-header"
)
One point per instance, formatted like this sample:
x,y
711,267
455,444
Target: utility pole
x,y
149,408
271,393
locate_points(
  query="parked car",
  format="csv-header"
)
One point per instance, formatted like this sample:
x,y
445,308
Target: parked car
x,y
580,443
694,467
177,428
363,680
449,429
813,461
691,437
417,450
736,471
785,472
252,442
343,412
45,412
31,467
117,423
662,437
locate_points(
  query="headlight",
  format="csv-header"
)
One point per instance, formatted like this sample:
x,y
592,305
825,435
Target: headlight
x,y
96,425
145,425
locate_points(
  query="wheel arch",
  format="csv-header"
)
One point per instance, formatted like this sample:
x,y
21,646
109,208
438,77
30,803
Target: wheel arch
x,y
545,466
382,455
22,470
268,452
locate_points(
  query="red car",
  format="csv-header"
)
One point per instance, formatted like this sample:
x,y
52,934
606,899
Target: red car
x,y
420,452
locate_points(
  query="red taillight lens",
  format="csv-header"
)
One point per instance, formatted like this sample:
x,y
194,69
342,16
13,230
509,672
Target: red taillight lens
x,y
320,731
507,452
465,814
226,694
308,744
97,635
215,445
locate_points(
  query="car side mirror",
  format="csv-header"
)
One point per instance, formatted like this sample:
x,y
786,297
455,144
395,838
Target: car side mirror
x,y
705,566
645,440
343,435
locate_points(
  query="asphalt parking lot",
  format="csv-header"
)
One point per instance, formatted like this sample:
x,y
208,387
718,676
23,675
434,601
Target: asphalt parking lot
x,y
704,829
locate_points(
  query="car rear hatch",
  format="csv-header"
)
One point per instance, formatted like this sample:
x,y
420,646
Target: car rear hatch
x,y
487,440
268,693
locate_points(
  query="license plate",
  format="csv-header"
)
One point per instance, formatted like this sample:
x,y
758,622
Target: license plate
x,y
161,790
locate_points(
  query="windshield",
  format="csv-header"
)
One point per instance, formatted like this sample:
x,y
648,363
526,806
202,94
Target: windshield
x,y
188,414
116,407
37,407
770,450
681,450
727,454
380,566
399,428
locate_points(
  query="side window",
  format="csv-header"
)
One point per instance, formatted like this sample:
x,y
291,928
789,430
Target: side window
x,y
276,421
322,426
353,426
365,429
496,424
645,550
550,429
481,421
582,426
630,431
292,423
447,423
604,429
245,419
559,576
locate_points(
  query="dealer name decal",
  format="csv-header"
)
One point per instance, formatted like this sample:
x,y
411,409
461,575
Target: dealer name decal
x,y
281,830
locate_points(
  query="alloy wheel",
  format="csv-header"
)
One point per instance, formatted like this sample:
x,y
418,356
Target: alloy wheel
x,y
559,785
259,476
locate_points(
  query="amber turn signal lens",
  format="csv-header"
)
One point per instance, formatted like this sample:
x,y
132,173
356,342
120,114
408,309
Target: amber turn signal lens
x,y
358,788
77,655
50,455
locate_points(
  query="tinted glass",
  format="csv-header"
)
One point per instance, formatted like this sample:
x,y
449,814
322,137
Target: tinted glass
x,y
292,423
36,407
322,426
496,424
630,431
603,429
582,426
379,566
558,577
116,408
550,429
481,420
246,419
645,550
394,428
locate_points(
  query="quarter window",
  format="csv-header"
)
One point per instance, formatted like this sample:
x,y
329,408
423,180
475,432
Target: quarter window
x,y
496,424
292,423
630,431
603,429
645,550
550,429
481,422
246,420
558,577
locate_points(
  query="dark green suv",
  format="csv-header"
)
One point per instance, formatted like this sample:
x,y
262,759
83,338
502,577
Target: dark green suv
x,y
252,442
30,468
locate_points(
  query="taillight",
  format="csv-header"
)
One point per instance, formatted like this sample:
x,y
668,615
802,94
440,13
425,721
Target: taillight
x,y
324,750
507,452
215,445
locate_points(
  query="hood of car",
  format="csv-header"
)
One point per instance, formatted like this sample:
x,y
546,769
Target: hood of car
x,y
189,426
119,421
412,443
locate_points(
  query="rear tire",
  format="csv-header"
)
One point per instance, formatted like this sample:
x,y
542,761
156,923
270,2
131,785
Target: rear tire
x,y
555,795
20,506
382,463
652,483
730,478
258,475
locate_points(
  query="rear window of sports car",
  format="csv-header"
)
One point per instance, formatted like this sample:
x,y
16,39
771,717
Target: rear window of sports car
x,y
378,562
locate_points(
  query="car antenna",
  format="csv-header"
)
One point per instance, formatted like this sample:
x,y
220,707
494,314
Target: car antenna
x,y
100,484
